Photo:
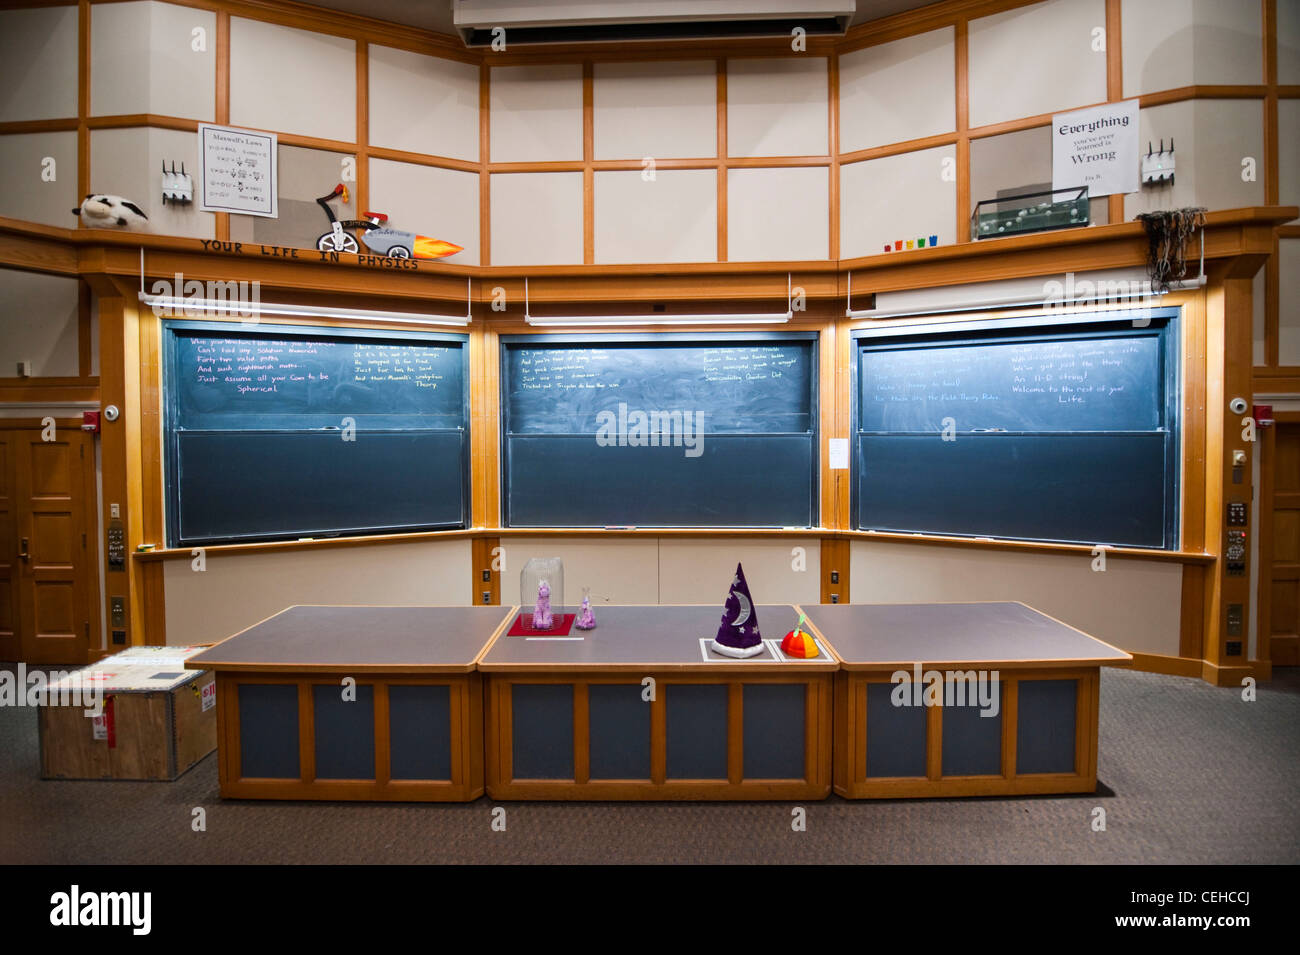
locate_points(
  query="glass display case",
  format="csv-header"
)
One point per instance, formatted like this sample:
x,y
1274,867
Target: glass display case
x,y
1030,212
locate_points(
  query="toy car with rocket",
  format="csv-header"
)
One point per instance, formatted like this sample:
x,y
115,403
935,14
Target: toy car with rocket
x,y
376,235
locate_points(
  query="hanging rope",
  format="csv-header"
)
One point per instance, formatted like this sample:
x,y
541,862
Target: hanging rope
x,y
1167,235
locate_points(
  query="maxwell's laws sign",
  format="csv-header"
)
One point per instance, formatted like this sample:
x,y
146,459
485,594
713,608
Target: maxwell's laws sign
x,y
1097,148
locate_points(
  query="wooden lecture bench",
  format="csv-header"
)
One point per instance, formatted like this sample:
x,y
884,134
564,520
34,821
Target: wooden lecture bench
x,y
640,708
1045,676
414,731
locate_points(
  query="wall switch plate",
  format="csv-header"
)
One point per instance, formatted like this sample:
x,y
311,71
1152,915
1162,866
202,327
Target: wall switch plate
x,y
1234,620
835,598
1233,649
117,611
487,596
835,576
119,638
487,576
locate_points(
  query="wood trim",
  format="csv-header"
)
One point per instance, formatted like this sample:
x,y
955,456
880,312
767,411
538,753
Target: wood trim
x,y
722,159
83,100
961,57
484,155
1114,85
735,732
588,156
1263,528
362,186
833,144
835,560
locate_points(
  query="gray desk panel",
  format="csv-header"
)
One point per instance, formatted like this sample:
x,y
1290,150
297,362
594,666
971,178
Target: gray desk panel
x,y
647,637
881,635
313,636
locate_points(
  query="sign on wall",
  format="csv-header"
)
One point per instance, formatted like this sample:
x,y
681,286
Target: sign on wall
x,y
239,171
1097,148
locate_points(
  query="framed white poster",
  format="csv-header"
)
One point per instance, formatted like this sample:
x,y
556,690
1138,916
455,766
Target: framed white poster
x,y
238,171
1097,148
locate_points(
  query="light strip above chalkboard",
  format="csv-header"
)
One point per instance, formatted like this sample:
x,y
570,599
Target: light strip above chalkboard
x,y
173,306
718,318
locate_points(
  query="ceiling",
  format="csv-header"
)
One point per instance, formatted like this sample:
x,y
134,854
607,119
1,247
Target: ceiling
x,y
435,15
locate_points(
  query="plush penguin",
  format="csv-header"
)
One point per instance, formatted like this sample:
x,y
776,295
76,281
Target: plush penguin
x,y
102,211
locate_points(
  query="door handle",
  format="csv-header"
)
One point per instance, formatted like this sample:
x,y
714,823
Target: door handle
x,y
22,550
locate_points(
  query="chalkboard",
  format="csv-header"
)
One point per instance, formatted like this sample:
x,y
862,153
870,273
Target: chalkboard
x,y
1057,433
683,430
1077,384
280,432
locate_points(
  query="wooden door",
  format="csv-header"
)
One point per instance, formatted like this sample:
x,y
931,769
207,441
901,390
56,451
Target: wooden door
x,y
1284,580
52,490
9,640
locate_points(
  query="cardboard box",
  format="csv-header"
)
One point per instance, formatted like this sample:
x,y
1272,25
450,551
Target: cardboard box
x,y
158,719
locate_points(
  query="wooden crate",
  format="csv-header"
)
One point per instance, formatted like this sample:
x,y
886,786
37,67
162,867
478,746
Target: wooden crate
x,y
156,734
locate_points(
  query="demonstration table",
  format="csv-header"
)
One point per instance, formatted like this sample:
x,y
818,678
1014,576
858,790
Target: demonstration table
x,y
1035,677
369,703
641,708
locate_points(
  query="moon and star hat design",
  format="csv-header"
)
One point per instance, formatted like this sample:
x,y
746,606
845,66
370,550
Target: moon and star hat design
x,y
738,634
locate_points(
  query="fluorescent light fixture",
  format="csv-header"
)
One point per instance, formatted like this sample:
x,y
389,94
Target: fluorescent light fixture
x,y
720,318
1143,294
1141,291
179,305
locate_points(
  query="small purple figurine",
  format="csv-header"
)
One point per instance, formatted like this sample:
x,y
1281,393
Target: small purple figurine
x,y
543,619
586,619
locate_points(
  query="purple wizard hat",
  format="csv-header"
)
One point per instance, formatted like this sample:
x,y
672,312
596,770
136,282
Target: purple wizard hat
x,y
738,634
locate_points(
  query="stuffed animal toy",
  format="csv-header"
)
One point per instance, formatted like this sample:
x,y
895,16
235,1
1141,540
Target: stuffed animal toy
x,y
102,211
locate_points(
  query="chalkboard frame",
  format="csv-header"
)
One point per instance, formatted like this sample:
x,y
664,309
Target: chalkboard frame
x,y
664,339
174,329
1160,322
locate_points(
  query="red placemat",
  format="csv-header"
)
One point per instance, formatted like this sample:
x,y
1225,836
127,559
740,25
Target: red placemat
x,y
523,626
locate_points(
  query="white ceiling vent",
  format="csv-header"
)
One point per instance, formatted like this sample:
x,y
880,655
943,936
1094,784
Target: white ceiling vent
x,y
532,22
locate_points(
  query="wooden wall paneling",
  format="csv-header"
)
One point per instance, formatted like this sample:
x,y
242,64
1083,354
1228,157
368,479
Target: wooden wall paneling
x,y
1114,83
835,569
722,159
222,105
1191,636
1272,165
588,155
484,565
833,144
362,185
1215,466
83,100
1263,529
1194,424
961,56
484,154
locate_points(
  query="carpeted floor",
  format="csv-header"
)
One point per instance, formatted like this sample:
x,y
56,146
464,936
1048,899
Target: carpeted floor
x,y
1190,774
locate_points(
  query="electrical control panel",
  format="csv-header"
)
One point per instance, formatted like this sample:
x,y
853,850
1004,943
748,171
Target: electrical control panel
x,y
1237,514
116,545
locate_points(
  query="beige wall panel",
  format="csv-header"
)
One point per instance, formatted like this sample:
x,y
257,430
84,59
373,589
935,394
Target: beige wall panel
x,y
128,162
1211,137
898,91
1288,151
292,81
38,323
1288,311
38,64
304,174
537,218
142,60
536,113
238,590
1173,43
618,571
662,110
897,197
423,104
1134,605
1036,59
777,107
673,218
778,215
442,203
1288,42
699,572
29,196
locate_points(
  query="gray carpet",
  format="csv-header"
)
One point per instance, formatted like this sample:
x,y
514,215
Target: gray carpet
x,y
1189,773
